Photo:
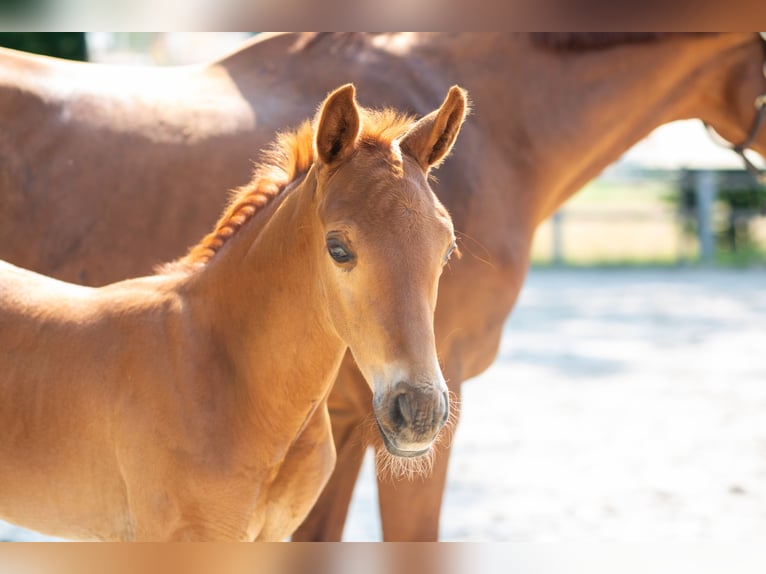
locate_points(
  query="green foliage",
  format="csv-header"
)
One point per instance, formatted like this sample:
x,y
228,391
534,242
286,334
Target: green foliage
x,y
751,197
740,201
15,8
70,45
744,256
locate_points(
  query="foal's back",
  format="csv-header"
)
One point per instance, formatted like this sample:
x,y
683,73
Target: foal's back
x,y
78,327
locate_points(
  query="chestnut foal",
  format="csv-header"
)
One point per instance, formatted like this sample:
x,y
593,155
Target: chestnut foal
x,y
191,404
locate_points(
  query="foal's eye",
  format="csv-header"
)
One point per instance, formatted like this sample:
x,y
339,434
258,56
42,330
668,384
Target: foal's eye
x,y
450,251
338,251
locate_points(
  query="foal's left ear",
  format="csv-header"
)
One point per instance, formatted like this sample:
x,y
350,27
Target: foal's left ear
x,y
431,138
338,127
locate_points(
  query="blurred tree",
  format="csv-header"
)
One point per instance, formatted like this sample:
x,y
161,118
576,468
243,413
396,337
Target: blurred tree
x,y
743,204
740,201
70,45
21,8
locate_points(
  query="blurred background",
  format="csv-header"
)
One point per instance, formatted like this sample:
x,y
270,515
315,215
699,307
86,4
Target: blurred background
x,y
628,398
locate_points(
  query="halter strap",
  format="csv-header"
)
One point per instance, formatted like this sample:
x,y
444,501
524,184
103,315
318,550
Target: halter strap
x,y
755,127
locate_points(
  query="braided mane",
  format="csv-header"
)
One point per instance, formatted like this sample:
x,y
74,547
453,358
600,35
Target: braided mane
x,y
288,158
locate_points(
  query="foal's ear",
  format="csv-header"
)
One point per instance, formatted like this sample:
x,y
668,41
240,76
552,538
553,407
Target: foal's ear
x,y
431,138
338,127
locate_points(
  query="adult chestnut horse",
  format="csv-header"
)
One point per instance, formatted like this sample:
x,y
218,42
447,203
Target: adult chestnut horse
x,y
191,404
552,111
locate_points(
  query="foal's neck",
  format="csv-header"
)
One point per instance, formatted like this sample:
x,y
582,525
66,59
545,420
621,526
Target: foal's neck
x,y
263,302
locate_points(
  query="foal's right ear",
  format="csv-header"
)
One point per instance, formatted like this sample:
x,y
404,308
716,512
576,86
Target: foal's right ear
x,y
431,138
338,127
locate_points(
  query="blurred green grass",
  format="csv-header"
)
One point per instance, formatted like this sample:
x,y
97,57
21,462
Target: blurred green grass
x,y
635,224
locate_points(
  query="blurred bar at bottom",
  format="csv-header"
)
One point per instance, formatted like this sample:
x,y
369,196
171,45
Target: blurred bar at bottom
x,y
388,558
232,558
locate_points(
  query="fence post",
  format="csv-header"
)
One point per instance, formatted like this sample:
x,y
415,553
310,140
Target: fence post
x,y
705,188
558,238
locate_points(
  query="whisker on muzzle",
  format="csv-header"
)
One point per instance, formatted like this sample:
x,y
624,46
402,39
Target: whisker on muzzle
x,y
447,434
391,467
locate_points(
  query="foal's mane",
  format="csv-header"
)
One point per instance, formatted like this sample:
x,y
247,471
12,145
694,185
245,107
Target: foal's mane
x,y
288,158
581,41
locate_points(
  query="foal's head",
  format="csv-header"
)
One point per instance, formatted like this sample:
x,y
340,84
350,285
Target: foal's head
x,y
385,239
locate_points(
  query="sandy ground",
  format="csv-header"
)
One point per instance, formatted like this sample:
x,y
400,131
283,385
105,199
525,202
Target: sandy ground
x,y
624,405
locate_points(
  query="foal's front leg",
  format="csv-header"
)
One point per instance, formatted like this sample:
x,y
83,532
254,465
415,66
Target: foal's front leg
x,y
350,405
203,533
301,477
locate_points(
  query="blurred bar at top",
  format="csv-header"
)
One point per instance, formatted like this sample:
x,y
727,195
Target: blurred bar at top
x,y
162,48
135,48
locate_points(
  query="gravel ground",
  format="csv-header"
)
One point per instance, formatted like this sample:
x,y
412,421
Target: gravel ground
x,y
624,405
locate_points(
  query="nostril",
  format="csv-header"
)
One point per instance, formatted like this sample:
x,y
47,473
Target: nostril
x,y
404,408
421,411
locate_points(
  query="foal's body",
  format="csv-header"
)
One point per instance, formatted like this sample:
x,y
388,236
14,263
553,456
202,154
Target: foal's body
x,y
548,119
191,427
181,444
191,405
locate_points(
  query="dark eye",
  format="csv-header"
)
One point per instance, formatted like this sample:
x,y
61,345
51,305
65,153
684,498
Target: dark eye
x,y
450,251
338,251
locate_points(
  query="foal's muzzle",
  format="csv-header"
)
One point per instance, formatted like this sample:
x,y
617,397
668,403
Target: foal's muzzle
x,y
410,417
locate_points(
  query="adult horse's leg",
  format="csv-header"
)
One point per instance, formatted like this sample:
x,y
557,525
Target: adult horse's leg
x,y
350,410
410,509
